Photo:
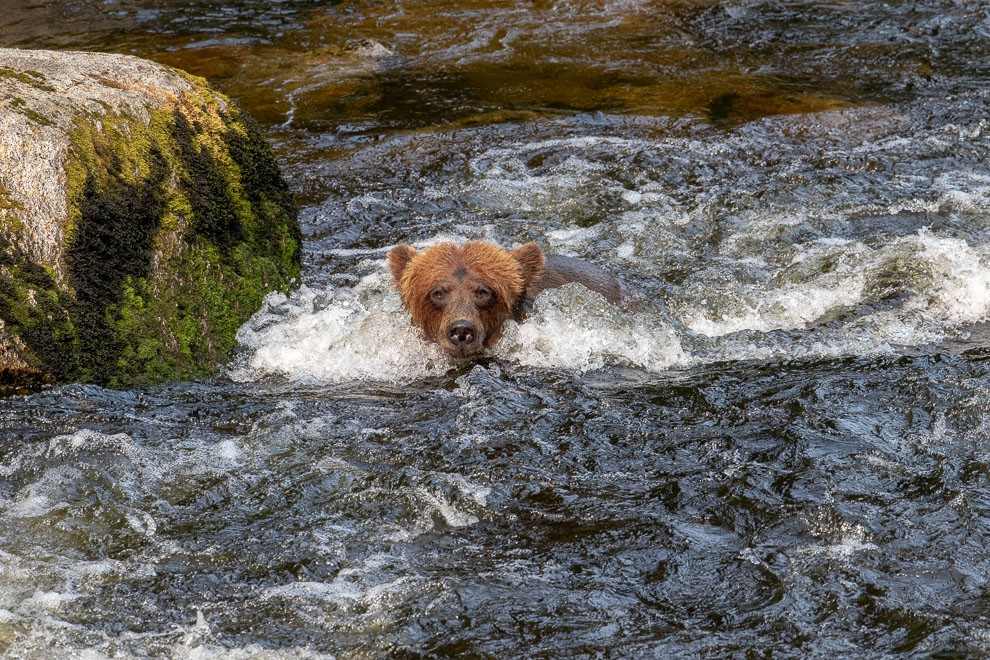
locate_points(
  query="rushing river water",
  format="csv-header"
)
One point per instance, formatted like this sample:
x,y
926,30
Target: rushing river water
x,y
785,452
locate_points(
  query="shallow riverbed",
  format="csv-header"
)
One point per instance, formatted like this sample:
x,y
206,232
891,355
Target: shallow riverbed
x,y
785,452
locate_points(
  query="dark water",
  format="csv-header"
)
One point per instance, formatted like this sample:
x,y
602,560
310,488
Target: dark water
x,y
786,453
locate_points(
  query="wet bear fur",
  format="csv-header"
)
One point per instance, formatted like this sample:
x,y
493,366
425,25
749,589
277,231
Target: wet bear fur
x,y
460,296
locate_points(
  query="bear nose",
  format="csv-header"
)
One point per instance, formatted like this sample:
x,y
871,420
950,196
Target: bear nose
x,y
461,333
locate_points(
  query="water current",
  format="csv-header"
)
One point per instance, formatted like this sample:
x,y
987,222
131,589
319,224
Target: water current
x,y
784,452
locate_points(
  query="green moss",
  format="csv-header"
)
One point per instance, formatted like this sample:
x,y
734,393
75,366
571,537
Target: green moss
x,y
177,230
32,309
36,117
114,240
32,78
21,106
11,224
7,201
8,635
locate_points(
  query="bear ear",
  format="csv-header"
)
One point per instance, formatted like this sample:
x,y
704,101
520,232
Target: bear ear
x,y
530,257
398,258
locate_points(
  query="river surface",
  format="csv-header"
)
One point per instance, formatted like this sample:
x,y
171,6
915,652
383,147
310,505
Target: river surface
x,y
785,452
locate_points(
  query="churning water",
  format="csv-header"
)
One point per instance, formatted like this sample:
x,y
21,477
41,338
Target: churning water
x,y
784,452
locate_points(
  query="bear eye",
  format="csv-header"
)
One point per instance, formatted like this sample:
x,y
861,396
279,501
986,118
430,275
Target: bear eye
x,y
484,296
438,296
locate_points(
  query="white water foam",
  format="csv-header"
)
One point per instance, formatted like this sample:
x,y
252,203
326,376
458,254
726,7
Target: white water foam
x,y
573,328
853,539
946,285
365,592
363,334
336,335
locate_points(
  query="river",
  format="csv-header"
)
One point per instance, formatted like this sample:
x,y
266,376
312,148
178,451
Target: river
x,y
784,453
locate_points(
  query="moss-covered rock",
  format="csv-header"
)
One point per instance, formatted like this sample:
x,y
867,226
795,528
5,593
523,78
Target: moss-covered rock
x,y
142,220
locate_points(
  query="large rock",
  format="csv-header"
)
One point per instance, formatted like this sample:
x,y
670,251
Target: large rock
x,y
142,220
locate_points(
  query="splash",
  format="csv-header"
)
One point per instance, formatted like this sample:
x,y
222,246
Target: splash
x,y
848,298
336,335
572,328
834,298
363,334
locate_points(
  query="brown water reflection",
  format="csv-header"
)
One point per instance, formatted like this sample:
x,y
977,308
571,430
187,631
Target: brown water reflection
x,y
394,65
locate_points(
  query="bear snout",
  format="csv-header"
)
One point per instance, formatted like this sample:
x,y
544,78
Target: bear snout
x,y
462,334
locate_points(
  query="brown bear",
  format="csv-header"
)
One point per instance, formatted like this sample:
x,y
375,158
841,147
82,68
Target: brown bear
x,y
460,296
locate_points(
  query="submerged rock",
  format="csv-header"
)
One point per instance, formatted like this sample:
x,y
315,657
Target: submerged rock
x,y
142,220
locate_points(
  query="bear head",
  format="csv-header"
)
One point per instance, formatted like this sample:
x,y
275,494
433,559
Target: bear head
x,y
461,295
